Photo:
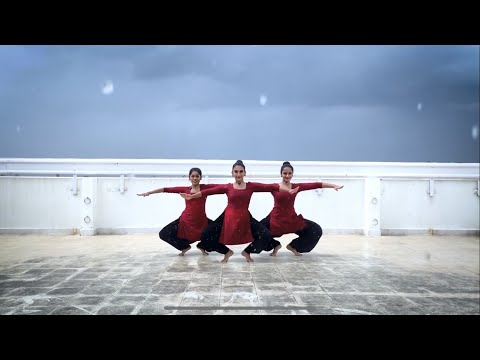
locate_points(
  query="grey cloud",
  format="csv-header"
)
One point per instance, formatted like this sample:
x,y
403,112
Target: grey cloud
x,y
324,102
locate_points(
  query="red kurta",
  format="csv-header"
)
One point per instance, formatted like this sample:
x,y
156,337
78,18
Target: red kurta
x,y
193,219
236,224
283,218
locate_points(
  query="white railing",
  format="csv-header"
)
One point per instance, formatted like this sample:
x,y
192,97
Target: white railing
x,y
217,168
99,195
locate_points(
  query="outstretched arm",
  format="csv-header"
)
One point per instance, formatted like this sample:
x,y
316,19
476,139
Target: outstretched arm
x,y
156,191
221,189
209,186
259,187
316,185
332,186
174,190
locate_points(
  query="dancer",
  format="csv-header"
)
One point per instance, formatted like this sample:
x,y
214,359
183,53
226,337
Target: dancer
x,y
284,220
193,220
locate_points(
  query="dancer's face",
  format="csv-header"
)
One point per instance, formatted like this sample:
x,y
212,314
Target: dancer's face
x,y
238,173
195,178
287,174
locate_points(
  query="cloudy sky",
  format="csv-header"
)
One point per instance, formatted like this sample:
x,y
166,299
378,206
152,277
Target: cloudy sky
x,y
256,102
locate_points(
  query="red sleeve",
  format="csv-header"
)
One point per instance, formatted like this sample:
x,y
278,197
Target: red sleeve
x,y
220,189
308,186
258,187
209,186
177,190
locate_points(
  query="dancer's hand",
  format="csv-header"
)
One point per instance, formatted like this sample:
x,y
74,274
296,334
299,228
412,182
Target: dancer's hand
x,y
144,194
337,187
186,196
294,191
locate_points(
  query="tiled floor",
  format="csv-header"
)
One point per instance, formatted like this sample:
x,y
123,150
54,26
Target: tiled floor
x,y
140,274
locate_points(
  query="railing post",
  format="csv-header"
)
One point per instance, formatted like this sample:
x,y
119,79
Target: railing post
x,y
371,224
89,202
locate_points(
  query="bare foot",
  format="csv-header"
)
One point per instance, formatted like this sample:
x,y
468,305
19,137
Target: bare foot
x,y
227,255
204,252
185,250
293,250
275,251
247,256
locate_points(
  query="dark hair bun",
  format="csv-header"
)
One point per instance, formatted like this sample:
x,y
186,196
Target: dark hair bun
x,y
286,163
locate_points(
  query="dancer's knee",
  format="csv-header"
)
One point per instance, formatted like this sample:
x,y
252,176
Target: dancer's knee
x,y
318,231
163,234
